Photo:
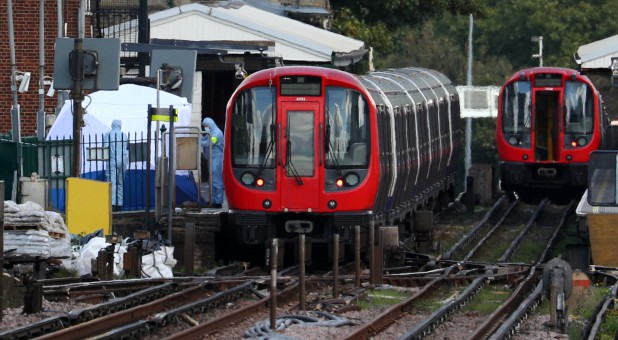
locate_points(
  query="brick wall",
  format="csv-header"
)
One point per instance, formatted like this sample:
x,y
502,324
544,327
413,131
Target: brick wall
x,y
26,42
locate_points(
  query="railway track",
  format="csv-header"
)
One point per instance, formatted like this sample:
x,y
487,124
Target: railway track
x,y
526,284
231,298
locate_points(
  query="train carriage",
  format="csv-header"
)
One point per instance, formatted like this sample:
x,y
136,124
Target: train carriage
x,y
549,120
317,150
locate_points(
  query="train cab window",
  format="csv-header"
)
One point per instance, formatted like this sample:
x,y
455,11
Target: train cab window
x,y
516,107
300,144
579,108
253,132
346,137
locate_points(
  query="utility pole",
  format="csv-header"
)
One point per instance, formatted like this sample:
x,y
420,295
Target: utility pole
x,y
468,151
539,55
77,59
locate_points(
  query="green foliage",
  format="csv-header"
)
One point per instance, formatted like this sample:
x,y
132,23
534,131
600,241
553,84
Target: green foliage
x,y
376,35
438,52
484,142
434,33
398,13
564,25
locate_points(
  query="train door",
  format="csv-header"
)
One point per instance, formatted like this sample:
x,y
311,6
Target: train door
x,y
299,174
546,126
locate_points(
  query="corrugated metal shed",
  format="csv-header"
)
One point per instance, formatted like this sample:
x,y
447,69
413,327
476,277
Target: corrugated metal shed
x,y
598,54
237,21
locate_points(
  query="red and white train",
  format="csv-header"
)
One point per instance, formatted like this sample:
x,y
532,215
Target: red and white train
x,y
318,150
549,120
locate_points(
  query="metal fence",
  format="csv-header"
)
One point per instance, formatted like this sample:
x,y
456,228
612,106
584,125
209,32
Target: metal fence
x,y
52,161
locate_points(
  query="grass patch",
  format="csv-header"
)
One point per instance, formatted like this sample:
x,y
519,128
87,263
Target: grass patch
x,y
63,272
581,311
440,297
497,243
609,328
452,225
568,236
488,299
382,298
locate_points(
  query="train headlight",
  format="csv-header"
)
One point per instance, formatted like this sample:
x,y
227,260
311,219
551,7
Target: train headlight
x,y
247,179
332,204
513,140
581,141
259,182
573,144
351,179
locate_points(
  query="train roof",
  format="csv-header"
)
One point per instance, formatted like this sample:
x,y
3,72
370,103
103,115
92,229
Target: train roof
x,y
399,84
402,82
411,77
536,70
529,72
298,70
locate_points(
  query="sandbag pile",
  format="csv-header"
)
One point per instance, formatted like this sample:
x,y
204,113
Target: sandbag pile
x,y
30,231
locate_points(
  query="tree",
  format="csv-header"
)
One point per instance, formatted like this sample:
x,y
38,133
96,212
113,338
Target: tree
x,y
398,13
564,24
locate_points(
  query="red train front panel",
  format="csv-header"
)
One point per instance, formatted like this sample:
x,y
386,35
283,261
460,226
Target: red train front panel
x,y
548,123
299,140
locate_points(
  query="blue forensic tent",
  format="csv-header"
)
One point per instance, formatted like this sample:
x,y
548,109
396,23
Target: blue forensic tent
x,y
129,104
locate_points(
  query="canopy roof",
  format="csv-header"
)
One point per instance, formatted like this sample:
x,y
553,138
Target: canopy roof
x,y
598,54
237,21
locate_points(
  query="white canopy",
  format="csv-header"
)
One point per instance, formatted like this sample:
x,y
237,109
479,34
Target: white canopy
x,y
597,54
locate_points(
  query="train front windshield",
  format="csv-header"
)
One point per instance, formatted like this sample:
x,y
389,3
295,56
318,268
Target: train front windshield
x,y
579,108
253,137
347,129
516,108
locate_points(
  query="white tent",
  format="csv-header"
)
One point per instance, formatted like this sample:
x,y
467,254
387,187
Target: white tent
x,y
129,104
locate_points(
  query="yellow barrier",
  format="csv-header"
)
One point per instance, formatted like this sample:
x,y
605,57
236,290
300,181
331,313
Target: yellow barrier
x,y
88,206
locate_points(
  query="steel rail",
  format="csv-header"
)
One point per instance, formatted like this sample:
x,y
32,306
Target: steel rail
x,y
77,316
223,321
592,330
480,227
508,253
428,324
104,324
504,327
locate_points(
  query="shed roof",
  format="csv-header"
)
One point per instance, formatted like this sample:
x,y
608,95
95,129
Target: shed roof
x,y
237,21
598,54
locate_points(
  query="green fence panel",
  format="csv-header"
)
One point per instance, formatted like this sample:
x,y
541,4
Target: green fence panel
x,y
29,148
8,159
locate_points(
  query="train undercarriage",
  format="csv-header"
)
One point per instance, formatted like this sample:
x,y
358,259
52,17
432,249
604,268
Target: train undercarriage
x,y
249,235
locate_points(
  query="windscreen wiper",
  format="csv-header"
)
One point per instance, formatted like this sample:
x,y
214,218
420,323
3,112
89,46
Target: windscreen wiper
x,y
269,149
329,150
289,166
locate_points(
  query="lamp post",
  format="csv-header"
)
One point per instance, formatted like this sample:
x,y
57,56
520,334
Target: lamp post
x,y
538,39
